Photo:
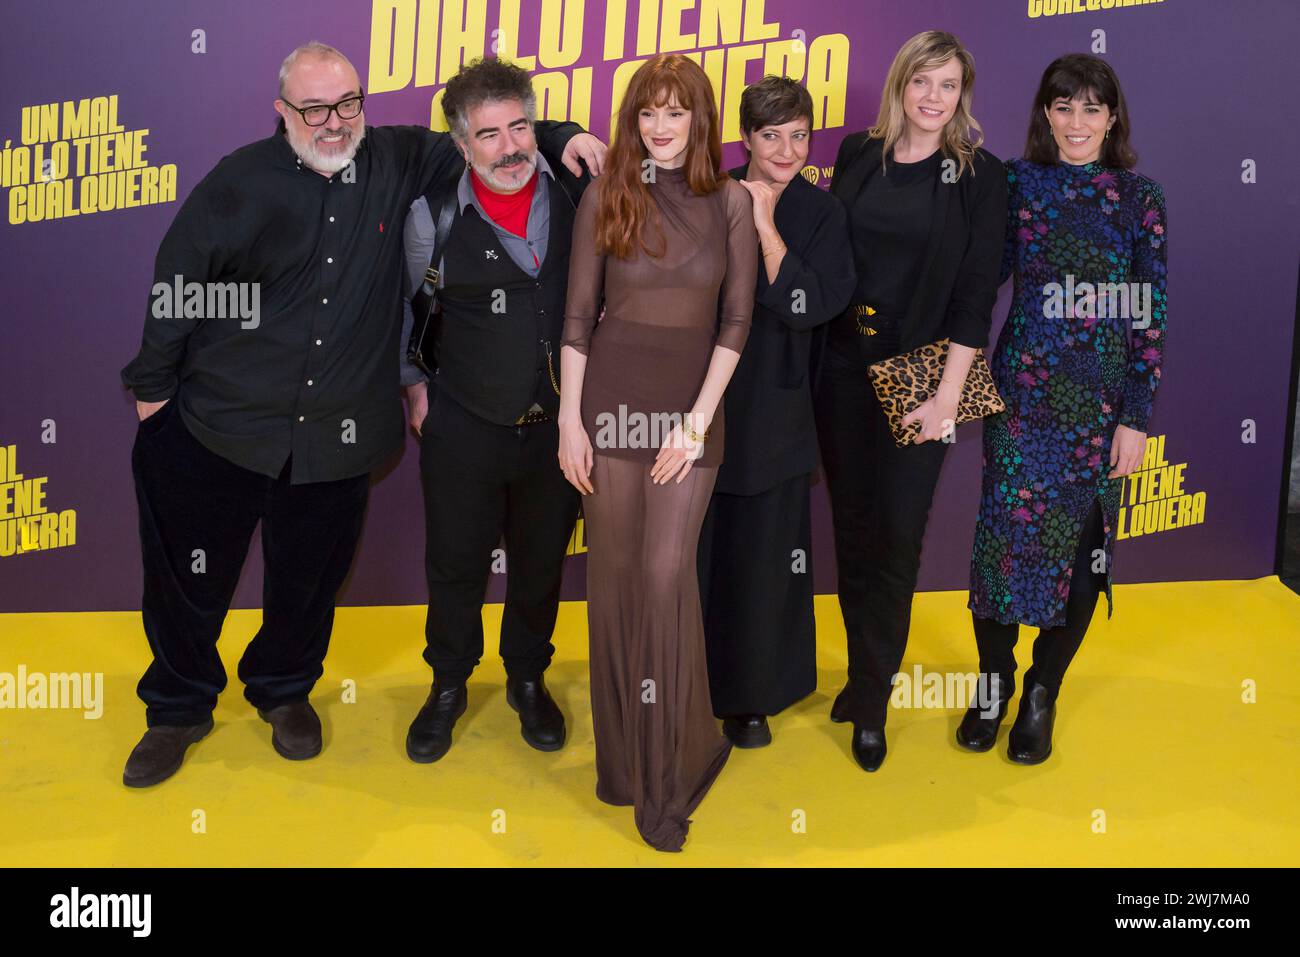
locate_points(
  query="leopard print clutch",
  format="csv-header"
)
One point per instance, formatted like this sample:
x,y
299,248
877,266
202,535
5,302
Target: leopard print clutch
x,y
904,382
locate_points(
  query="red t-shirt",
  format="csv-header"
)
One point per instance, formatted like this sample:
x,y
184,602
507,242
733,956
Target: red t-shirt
x,y
507,210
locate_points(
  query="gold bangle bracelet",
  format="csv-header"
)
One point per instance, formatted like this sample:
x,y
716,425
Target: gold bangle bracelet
x,y
690,433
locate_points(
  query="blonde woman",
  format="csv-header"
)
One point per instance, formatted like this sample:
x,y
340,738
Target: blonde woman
x,y
926,209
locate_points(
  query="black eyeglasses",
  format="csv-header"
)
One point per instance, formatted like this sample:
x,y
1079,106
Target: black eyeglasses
x,y
348,109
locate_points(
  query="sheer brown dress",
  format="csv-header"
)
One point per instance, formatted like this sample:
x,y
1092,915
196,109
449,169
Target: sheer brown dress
x,y
658,746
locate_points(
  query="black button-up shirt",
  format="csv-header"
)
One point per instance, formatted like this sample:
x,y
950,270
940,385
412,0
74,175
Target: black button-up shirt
x,y
312,371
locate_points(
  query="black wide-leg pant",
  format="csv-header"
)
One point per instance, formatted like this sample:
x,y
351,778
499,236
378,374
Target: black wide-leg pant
x,y
756,593
197,516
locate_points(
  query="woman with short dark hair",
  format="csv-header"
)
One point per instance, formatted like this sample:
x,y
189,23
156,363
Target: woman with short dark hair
x,y
1078,377
755,552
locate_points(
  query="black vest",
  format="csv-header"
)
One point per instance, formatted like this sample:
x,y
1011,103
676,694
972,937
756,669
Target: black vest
x,y
500,345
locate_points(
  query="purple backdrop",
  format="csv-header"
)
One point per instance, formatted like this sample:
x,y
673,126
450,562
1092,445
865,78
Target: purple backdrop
x,y
1206,92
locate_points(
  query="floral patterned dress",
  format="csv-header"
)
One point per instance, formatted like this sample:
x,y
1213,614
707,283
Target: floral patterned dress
x,y
1070,369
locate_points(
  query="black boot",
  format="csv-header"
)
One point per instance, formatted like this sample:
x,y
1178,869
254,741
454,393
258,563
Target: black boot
x,y
978,730
540,720
747,730
840,709
1030,741
430,735
868,747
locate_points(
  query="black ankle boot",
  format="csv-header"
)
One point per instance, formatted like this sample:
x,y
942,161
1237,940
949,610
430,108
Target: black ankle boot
x,y
978,730
1030,741
429,737
541,723
747,730
868,747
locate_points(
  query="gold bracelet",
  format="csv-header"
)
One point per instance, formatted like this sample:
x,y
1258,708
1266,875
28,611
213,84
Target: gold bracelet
x,y
690,433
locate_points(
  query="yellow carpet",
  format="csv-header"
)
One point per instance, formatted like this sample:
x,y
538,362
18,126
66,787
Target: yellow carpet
x,y
1158,760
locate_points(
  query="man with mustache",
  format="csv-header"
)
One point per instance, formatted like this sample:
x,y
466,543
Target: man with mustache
x,y
277,418
489,438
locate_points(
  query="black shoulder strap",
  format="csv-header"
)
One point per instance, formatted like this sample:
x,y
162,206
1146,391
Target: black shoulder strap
x,y
422,347
444,215
443,206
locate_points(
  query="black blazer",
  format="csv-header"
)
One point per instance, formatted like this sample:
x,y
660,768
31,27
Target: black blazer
x,y
959,279
770,433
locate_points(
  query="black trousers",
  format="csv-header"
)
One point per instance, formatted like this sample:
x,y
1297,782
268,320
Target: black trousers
x,y
481,482
757,599
197,516
1054,648
880,501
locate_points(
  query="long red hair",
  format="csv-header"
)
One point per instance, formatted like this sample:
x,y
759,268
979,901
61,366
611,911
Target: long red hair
x,y
625,213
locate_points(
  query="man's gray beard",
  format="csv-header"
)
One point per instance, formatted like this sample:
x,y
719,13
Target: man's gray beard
x,y
489,176
312,157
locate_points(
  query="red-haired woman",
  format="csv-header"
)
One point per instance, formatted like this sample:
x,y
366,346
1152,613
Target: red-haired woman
x,y
666,243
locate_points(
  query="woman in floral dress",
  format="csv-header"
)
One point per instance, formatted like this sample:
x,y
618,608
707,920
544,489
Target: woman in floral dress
x,y
1078,369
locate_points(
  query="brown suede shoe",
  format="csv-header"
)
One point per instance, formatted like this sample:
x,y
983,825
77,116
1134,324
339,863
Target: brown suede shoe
x,y
295,730
160,752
